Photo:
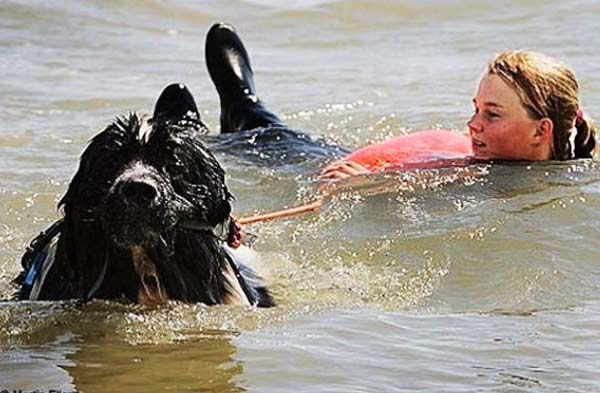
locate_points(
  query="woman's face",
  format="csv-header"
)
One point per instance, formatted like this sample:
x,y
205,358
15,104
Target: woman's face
x,y
501,127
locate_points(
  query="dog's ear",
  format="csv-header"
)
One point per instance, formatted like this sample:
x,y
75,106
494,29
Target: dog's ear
x,y
174,103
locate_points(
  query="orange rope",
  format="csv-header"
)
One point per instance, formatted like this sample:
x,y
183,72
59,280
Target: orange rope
x,y
293,211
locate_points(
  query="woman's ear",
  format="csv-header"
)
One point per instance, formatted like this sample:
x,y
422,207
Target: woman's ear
x,y
544,131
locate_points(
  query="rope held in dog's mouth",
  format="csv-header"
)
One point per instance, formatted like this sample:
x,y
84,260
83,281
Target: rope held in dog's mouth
x,y
293,211
327,190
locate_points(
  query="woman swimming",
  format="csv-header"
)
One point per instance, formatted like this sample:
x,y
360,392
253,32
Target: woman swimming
x,y
526,107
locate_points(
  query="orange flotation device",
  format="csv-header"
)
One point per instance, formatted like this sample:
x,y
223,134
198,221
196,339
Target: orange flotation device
x,y
420,149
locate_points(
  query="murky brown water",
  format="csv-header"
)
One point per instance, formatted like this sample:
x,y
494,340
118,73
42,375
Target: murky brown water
x,y
434,281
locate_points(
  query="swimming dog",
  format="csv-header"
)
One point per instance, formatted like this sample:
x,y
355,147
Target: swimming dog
x,y
146,217
147,211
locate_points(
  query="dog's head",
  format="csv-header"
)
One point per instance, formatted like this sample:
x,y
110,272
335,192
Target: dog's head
x,y
144,190
140,178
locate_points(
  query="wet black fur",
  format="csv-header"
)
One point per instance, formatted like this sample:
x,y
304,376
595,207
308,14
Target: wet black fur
x,y
177,228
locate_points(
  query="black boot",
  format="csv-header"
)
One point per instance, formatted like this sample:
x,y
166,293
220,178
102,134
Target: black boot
x,y
229,68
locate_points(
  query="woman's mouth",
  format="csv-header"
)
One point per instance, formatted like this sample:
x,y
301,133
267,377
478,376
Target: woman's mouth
x,y
479,149
477,143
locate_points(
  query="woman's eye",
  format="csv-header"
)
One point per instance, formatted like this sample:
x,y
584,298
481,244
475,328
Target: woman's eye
x,y
492,115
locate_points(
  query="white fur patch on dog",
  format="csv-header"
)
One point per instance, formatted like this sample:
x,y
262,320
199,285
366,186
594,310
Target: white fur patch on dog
x,y
145,132
236,294
247,256
152,290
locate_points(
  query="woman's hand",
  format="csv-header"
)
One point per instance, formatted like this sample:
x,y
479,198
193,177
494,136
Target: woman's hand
x,y
339,170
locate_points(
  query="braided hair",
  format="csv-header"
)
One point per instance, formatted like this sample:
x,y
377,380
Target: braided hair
x,y
549,89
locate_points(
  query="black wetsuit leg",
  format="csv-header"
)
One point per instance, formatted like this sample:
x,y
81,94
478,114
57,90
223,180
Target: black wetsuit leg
x,y
248,128
230,70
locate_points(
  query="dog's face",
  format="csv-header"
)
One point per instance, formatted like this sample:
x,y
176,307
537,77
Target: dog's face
x,y
141,179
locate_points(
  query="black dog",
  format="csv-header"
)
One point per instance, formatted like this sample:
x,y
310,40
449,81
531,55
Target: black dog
x,y
143,213
145,218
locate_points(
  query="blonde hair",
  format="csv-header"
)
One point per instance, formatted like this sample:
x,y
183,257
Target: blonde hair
x,y
548,88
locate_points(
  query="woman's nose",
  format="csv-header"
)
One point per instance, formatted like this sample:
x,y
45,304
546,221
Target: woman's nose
x,y
474,124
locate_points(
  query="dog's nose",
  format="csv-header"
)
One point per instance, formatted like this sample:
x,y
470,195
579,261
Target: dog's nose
x,y
139,192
